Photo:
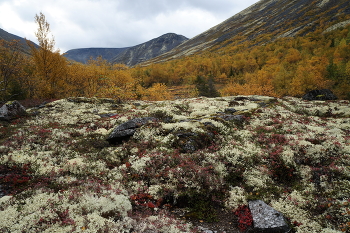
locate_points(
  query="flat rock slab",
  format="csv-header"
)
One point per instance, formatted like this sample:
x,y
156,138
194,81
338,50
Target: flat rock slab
x,y
126,130
267,219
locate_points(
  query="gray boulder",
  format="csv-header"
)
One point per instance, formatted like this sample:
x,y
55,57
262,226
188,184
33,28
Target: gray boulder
x,y
267,219
12,110
230,117
230,110
324,94
124,131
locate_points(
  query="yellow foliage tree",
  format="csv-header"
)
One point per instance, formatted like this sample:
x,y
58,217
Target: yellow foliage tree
x,y
50,65
11,68
158,91
310,75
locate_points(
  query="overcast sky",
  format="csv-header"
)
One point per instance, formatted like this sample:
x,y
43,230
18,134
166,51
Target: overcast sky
x,y
115,23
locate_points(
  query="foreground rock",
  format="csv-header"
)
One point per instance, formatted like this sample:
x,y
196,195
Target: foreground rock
x,y
266,219
11,110
324,94
126,130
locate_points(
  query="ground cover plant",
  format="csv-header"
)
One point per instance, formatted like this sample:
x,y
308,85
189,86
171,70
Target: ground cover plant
x,y
59,174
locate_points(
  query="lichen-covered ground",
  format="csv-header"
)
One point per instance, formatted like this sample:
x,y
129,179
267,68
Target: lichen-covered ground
x,y
59,174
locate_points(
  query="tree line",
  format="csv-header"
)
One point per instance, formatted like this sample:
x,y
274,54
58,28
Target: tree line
x,y
47,74
282,67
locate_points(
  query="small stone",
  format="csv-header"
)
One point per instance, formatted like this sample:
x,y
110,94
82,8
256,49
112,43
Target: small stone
x,y
12,110
267,219
126,130
229,117
230,110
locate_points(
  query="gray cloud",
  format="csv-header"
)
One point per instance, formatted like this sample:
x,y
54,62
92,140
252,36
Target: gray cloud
x,y
115,23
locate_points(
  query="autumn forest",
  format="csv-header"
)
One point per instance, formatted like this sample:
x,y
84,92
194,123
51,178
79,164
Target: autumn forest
x,y
288,66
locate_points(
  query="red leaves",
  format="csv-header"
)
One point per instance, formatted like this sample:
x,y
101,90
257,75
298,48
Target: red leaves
x,y
151,205
147,200
245,218
15,178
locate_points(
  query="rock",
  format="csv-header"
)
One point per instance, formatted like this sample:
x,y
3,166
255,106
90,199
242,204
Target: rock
x,y
107,115
230,110
12,110
204,230
240,98
229,117
189,142
324,94
126,130
267,219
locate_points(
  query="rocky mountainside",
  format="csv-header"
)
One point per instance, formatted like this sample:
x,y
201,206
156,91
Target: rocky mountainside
x,y
265,21
131,55
9,37
150,49
84,54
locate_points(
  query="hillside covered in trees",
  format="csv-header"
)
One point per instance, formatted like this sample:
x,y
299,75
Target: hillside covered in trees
x,y
289,65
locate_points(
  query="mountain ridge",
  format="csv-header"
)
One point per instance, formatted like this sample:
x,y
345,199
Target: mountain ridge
x,y
129,55
84,54
271,18
9,37
149,49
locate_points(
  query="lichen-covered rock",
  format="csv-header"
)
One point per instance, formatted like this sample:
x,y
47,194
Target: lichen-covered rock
x,y
324,94
267,219
127,129
11,110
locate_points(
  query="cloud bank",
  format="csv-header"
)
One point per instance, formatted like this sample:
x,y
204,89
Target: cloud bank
x,y
115,23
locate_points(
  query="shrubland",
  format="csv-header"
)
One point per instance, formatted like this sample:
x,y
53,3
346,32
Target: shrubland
x,y
59,172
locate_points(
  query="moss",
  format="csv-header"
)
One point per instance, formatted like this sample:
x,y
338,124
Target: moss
x,y
201,207
162,116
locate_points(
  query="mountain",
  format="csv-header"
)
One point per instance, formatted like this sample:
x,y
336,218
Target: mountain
x,y
9,37
265,21
84,54
150,49
130,55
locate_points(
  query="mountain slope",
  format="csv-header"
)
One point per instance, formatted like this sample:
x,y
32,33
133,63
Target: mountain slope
x,y
84,54
150,49
9,37
130,55
269,18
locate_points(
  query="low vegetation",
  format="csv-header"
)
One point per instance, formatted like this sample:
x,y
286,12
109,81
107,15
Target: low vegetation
x,y
59,173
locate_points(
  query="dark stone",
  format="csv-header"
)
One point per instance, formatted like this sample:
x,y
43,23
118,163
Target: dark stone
x,y
262,104
240,98
229,117
266,219
124,131
234,103
108,115
324,94
12,110
230,110
189,142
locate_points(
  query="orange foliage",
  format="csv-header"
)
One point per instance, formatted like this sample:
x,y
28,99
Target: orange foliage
x,y
158,91
285,66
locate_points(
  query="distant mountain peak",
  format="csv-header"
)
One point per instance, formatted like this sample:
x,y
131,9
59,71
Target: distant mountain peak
x,y
130,55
